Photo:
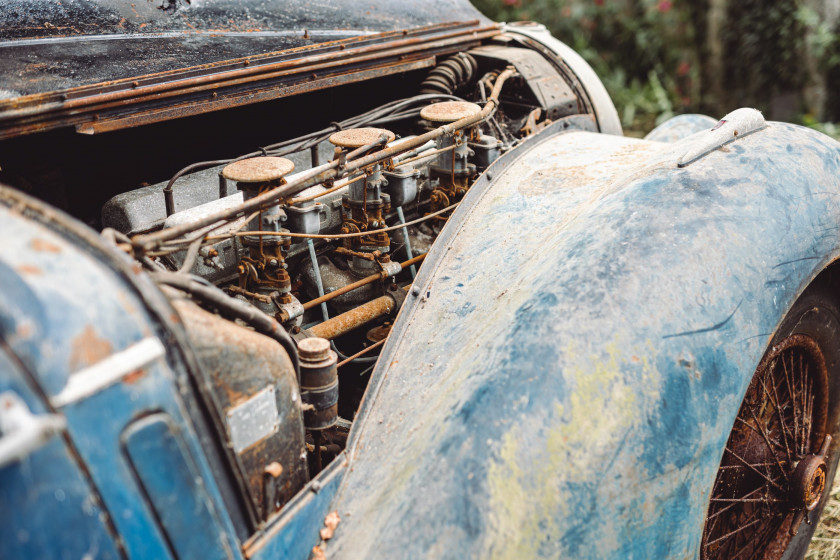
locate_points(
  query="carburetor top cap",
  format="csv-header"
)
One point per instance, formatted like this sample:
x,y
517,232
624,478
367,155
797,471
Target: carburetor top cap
x,y
258,169
449,111
358,137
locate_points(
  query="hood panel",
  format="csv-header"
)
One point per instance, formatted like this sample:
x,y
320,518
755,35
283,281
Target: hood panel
x,y
82,62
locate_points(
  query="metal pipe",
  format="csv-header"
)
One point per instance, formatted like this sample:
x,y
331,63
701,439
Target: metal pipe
x,y
359,283
408,254
355,318
316,270
325,172
424,155
361,352
338,185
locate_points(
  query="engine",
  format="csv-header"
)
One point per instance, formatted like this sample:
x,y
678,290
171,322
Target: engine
x,y
287,265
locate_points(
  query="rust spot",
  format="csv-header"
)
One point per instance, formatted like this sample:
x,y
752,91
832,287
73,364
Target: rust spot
x,y
89,348
275,469
134,376
126,302
44,246
330,523
29,269
318,554
25,330
234,397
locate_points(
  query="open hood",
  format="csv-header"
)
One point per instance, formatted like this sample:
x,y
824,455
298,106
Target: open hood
x,y
102,65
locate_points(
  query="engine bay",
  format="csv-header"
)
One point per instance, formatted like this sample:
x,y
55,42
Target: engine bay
x,y
313,241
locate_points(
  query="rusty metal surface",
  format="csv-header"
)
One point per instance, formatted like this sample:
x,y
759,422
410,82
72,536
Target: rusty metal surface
x,y
576,70
358,137
24,19
762,491
328,170
239,363
115,118
563,381
67,305
355,318
53,71
449,111
258,169
318,386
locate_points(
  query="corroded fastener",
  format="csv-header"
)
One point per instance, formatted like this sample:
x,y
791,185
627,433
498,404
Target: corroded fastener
x,y
809,478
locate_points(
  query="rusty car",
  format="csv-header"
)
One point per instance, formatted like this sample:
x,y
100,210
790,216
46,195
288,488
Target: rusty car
x,y
297,279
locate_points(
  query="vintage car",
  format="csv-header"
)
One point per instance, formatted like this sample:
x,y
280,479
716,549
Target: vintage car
x,y
217,339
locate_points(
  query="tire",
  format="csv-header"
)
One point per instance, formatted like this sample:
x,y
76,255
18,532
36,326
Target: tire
x,y
778,464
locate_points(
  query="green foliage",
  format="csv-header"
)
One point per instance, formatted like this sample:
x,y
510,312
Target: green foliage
x,y
638,48
831,129
655,59
766,52
642,49
820,37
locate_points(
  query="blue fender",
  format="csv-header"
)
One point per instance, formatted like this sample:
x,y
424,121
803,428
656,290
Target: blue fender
x,y
680,127
564,380
83,340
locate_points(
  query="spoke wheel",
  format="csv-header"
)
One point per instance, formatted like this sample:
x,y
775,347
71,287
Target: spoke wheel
x,y
773,472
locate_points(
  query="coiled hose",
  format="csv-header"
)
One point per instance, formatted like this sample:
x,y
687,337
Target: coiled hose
x,y
451,75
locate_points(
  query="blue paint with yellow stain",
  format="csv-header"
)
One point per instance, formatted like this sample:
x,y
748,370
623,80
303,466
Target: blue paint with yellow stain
x,y
561,384
619,305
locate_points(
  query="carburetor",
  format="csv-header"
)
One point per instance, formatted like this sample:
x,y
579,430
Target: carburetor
x,y
365,205
263,274
452,168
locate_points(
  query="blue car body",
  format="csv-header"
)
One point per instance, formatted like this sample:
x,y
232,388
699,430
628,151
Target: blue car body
x,y
560,382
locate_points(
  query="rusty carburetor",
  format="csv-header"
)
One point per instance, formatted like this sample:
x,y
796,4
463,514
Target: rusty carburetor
x,y
320,237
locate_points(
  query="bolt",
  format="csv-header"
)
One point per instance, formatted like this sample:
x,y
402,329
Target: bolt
x,y
415,291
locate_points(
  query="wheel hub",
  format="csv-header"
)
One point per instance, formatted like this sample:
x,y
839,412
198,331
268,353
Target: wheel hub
x,y
808,482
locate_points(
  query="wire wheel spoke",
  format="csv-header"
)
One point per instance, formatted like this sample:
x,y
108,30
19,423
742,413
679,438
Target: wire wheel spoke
x,y
780,420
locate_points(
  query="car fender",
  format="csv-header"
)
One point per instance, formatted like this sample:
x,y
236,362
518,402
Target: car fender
x,y
564,375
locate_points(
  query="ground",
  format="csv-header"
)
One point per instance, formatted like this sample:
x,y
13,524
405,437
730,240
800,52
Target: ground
x,y
826,542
